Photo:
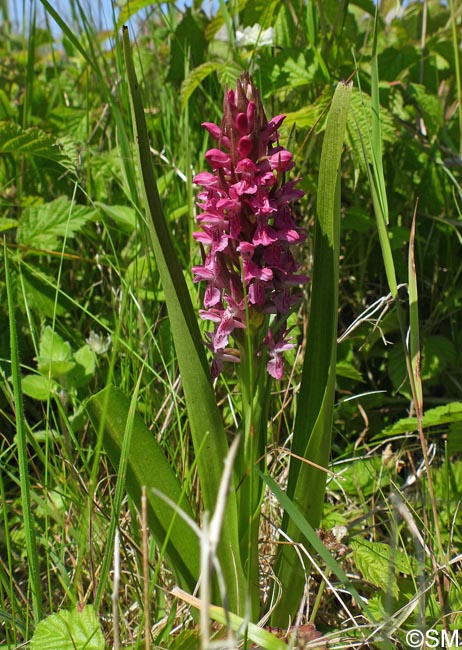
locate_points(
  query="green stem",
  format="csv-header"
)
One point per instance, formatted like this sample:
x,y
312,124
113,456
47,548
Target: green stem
x,y
255,387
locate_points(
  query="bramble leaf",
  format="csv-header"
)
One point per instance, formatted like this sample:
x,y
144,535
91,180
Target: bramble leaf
x,y
69,630
380,564
42,225
16,140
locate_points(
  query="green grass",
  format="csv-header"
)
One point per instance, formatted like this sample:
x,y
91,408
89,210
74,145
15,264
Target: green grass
x,y
85,304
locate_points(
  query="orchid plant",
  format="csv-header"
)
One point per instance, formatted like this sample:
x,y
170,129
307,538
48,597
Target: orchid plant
x,y
248,234
248,230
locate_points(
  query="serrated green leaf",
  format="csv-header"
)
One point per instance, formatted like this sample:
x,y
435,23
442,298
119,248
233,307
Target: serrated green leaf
x,y
307,116
40,291
41,226
6,109
429,106
438,416
33,141
7,224
347,369
69,630
55,354
84,369
122,215
438,352
379,563
228,74
196,77
37,386
297,71
359,127
188,37
365,476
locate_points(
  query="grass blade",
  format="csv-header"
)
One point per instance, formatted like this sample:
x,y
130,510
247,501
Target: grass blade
x,y
29,525
309,533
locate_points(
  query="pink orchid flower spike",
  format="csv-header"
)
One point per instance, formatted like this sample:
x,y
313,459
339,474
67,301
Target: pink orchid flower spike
x,y
248,231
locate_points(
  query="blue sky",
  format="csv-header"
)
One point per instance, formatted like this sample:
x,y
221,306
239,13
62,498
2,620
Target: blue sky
x,y
101,10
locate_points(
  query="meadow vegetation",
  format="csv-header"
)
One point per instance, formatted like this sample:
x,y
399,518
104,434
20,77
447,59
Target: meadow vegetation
x,y
98,370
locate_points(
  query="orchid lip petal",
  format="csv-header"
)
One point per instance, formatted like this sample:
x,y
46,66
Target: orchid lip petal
x,y
217,158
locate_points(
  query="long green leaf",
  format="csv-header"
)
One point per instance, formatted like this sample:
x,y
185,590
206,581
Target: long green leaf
x,y
137,456
376,176
208,435
312,431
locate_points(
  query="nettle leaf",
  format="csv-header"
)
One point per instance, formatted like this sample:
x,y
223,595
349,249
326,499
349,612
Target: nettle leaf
x,y
188,37
380,564
441,415
16,140
41,294
347,369
438,352
429,106
69,630
196,77
7,224
42,225
358,126
6,108
397,371
227,73
365,476
55,354
297,71
123,216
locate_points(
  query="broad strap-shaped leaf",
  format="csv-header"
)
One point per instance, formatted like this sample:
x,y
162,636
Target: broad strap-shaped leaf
x,y
313,424
207,430
146,465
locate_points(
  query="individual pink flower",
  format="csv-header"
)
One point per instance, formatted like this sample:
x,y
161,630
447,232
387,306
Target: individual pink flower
x,y
275,349
248,231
